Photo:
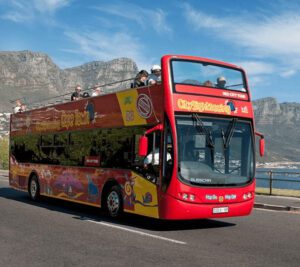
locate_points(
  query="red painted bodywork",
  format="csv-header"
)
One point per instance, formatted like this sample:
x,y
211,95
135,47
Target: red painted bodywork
x,y
164,102
171,204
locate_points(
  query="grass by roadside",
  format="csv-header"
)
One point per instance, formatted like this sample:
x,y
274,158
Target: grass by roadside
x,y
4,153
278,192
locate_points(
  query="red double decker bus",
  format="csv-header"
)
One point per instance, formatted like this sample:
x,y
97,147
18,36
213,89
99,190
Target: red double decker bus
x,y
181,149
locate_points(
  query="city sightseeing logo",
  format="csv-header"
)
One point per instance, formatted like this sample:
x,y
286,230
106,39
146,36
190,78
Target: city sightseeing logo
x,y
144,106
197,106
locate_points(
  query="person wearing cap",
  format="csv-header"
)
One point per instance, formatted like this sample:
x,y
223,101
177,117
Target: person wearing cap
x,y
140,79
97,90
76,95
221,81
19,106
155,75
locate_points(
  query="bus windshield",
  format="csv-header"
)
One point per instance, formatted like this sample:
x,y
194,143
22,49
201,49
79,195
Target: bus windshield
x,y
204,74
215,151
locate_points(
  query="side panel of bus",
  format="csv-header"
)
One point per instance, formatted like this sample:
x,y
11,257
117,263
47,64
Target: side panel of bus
x,y
66,147
85,185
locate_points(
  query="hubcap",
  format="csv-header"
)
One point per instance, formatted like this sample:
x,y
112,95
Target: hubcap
x,y
33,188
113,203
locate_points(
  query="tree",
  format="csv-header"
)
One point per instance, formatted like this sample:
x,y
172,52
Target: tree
x,y
4,153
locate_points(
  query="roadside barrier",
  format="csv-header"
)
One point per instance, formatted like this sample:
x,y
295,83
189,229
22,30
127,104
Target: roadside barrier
x,y
279,181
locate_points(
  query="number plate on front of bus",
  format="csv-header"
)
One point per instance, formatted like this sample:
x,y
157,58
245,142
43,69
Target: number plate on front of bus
x,y
220,210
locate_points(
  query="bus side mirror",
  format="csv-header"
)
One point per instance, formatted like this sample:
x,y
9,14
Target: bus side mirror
x,y
143,141
143,146
262,147
261,144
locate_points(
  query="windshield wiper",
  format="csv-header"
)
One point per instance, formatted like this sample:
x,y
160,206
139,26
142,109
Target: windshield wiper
x,y
229,133
200,124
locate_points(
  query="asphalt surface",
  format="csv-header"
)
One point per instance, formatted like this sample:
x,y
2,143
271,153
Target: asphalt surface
x,y
58,233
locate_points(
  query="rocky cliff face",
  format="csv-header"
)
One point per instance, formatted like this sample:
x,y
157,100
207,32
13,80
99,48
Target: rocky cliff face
x,y
27,75
34,77
280,123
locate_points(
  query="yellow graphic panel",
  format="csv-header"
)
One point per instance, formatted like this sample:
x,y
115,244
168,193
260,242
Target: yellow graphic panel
x,y
127,102
145,197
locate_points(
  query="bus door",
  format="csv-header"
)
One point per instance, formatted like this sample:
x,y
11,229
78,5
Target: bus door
x,y
152,161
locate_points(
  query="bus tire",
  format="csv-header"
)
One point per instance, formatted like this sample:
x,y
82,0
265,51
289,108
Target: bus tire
x,y
114,202
34,188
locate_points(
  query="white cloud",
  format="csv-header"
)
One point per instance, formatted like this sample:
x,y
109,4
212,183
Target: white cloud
x,y
22,11
256,67
50,5
256,81
102,46
274,36
146,18
288,73
15,16
257,72
18,12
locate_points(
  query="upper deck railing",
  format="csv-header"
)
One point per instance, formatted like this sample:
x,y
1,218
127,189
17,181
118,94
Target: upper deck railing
x,y
66,97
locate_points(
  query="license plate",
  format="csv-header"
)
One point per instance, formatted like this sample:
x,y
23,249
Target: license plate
x,y
220,210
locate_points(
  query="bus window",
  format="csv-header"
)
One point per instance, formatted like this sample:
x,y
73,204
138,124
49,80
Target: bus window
x,y
46,148
201,74
117,148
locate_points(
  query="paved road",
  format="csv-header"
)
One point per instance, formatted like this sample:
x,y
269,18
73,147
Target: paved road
x,y
57,233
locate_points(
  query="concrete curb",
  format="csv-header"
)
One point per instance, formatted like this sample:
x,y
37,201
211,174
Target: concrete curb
x,y
276,207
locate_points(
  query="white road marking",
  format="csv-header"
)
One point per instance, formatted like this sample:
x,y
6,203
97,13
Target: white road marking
x,y
136,231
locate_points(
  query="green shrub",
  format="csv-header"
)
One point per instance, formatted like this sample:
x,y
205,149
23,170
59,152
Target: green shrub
x,y
4,153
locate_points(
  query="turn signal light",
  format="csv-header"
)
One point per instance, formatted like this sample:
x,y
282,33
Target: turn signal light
x,y
186,196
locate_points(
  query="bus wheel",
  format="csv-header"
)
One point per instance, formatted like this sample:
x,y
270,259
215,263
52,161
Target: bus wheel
x,y
34,188
114,202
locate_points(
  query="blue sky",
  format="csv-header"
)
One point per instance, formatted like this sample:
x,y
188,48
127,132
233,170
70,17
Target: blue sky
x,y
261,36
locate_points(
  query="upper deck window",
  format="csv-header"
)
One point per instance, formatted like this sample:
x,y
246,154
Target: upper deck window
x,y
208,75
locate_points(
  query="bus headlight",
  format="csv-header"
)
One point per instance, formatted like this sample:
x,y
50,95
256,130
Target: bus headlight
x,y
247,196
192,197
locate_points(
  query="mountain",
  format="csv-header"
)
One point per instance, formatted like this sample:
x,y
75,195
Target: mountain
x,y
280,123
33,77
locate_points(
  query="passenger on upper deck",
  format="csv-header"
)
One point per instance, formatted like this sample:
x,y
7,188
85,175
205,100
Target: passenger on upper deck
x,y
221,81
19,106
76,95
23,108
97,90
140,79
85,95
208,83
155,75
